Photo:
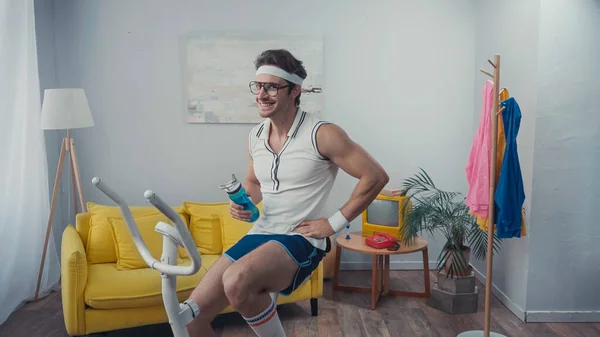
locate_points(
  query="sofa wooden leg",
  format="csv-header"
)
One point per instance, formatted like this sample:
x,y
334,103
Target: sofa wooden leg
x,y
314,306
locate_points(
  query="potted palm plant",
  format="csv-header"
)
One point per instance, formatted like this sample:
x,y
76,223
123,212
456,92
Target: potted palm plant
x,y
435,211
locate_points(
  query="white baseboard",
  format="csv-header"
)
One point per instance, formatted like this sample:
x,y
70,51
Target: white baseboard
x,y
541,316
525,316
394,265
512,306
563,316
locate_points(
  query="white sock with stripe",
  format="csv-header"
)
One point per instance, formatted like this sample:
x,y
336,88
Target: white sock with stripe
x,y
267,323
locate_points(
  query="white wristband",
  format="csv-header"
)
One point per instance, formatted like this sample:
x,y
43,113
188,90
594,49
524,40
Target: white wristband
x,y
338,221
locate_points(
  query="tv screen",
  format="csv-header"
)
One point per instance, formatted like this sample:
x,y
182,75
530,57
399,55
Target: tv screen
x,y
383,212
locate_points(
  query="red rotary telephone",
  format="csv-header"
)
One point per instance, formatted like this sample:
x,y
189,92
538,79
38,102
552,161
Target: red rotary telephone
x,y
382,240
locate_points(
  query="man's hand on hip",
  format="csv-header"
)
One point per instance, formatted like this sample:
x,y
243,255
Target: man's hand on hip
x,y
317,229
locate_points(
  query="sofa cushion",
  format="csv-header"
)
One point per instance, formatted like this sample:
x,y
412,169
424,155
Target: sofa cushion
x,y
100,247
110,288
128,255
205,225
233,230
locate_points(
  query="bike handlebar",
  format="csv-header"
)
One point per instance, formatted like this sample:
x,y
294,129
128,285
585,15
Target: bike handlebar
x,y
184,233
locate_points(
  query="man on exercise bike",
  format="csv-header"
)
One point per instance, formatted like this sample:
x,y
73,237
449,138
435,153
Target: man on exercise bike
x,y
292,165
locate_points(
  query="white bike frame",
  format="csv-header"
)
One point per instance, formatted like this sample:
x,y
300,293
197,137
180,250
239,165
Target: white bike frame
x,y
179,314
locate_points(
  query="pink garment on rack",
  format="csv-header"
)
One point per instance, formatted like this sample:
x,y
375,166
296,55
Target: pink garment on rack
x,y
478,164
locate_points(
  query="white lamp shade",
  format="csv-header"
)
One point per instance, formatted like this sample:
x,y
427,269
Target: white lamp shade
x,y
65,109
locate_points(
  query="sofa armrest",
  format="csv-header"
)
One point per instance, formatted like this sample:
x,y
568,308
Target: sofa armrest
x,y
73,278
316,281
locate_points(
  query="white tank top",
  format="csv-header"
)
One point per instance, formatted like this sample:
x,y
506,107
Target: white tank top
x,y
294,183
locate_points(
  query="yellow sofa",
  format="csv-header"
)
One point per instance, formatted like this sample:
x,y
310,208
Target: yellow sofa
x,y
107,286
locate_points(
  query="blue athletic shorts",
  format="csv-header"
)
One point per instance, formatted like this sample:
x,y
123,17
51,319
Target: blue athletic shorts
x,y
306,256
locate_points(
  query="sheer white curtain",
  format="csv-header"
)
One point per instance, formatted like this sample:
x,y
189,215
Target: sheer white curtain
x,y
24,191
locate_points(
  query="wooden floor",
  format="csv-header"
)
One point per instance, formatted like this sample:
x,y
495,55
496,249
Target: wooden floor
x,y
340,314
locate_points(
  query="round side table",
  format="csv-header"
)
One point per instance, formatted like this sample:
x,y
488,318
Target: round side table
x,y
380,284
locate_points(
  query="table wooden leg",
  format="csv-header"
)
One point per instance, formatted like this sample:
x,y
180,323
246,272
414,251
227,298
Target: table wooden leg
x,y
380,274
426,293
386,275
374,281
426,271
342,287
336,270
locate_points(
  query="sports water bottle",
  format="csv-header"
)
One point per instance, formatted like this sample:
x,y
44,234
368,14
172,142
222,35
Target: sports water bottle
x,y
237,194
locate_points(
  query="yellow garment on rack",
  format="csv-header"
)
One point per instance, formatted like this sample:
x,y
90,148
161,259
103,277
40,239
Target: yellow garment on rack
x,y
501,146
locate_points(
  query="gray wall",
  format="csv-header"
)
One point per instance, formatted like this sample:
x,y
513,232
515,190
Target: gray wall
x,y
126,55
550,53
421,90
564,263
517,45
44,26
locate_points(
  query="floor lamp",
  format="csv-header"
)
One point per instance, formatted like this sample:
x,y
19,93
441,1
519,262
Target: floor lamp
x,y
64,109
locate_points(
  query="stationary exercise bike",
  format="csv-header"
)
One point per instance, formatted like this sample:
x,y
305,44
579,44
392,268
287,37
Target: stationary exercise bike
x,y
180,314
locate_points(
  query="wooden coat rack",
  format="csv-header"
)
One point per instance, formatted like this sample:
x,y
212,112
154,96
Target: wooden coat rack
x,y
491,220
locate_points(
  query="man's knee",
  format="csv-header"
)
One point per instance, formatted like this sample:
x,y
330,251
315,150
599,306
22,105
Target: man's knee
x,y
236,284
208,294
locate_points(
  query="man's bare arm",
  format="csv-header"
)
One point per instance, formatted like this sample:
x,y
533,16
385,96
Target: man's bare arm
x,y
334,143
252,186
251,183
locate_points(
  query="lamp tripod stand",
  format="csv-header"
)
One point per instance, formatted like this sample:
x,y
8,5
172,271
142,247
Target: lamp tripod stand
x,y
67,148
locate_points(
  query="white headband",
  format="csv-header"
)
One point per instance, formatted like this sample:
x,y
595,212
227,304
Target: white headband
x,y
275,71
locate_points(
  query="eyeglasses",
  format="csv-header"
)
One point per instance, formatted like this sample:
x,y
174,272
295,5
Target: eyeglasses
x,y
270,88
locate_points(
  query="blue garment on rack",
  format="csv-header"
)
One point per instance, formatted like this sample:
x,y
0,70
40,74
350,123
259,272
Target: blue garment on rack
x,y
510,194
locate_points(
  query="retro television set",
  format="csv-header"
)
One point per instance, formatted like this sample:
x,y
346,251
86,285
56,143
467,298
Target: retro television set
x,y
384,215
